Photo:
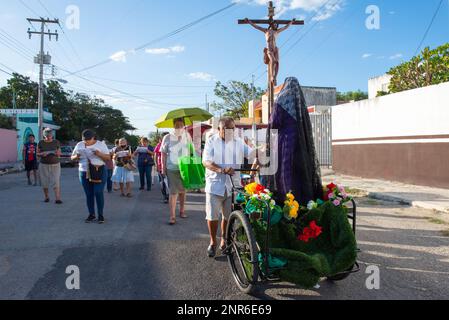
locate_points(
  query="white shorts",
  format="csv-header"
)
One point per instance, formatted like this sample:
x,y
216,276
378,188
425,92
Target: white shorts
x,y
216,205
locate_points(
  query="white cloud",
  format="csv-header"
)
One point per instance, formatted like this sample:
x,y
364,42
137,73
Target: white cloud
x,y
202,76
367,55
178,49
119,56
160,51
396,56
324,9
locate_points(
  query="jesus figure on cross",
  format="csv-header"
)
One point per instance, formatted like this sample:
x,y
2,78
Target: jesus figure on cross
x,y
271,52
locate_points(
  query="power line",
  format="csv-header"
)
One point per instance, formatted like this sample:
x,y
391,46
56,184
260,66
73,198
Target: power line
x,y
150,84
15,41
308,31
166,36
5,72
29,8
23,55
8,43
5,66
429,27
126,93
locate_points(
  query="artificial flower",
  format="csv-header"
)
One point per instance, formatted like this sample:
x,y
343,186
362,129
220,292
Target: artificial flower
x,y
313,231
312,205
331,186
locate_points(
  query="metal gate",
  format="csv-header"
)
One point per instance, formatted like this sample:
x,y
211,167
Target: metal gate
x,y
322,133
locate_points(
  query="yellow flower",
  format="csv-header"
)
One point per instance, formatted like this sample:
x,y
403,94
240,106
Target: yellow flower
x,y
294,212
251,188
295,205
290,196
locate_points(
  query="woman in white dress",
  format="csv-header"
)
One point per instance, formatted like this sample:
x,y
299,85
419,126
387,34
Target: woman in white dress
x,y
123,171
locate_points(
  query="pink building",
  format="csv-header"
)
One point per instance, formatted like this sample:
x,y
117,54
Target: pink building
x,y
8,146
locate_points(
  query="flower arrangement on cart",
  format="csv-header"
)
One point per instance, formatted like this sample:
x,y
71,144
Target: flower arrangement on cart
x,y
306,243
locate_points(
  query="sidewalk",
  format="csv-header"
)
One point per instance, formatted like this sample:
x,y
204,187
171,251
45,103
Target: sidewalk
x,y
416,196
11,167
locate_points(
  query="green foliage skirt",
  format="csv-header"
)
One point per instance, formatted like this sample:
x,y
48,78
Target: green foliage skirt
x,y
334,251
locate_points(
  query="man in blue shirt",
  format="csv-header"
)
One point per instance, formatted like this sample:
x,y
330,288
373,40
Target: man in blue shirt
x,y
30,158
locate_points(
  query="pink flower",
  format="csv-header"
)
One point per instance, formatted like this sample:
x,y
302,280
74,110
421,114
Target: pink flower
x,y
331,195
336,202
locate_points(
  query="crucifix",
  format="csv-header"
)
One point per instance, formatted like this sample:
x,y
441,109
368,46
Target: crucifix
x,y
271,52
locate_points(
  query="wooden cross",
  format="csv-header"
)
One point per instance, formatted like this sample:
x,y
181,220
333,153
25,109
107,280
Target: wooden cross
x,y
271,52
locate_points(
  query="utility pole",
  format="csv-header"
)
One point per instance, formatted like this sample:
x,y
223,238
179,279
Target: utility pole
x,y
207,104
253,96
42,60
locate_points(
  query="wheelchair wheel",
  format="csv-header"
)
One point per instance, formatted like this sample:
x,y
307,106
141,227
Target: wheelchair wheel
x,y
343,275
242,252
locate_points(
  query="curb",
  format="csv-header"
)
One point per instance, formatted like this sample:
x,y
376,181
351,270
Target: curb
x,y
417,204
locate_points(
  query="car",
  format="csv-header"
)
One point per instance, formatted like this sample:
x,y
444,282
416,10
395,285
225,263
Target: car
x,y
66,156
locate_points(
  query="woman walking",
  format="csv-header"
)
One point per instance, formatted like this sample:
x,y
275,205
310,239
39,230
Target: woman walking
x,y
49,151
172,149
145,163
92,156
123,172
162,178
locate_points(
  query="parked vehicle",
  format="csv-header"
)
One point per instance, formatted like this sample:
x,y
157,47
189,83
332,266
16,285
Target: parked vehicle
x,y
66,155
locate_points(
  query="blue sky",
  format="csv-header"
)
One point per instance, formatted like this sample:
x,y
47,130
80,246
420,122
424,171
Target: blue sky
x,y
333,49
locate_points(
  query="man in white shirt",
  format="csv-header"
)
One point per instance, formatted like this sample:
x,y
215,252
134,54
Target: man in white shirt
x,y
223,153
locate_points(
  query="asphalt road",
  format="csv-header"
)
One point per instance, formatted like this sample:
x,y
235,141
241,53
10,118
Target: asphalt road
x,y
137,255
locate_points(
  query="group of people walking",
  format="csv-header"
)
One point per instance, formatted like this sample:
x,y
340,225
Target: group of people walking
x,y
102,168
114,169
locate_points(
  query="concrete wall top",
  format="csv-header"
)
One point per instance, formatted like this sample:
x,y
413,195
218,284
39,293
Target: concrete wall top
x,y
423,111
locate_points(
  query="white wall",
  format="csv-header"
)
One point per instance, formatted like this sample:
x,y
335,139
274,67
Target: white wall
x,y
423,111
378,84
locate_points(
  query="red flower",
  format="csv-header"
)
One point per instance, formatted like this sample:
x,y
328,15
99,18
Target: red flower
x,y
313,231
260,189
331,187
317,230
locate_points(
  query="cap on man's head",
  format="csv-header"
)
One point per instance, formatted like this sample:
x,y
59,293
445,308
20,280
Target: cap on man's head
x,y
88,134
47,132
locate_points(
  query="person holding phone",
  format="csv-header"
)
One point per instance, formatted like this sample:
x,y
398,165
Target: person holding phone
x,y
145,163
49,152
92,153
123,175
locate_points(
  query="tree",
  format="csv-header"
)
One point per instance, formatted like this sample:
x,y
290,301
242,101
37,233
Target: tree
x,y
133,140
154,138
351,96
235,98
6,122
26,92
428,68
73,111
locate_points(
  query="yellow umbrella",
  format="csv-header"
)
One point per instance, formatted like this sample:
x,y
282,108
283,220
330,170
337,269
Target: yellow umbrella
x,y
190,115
